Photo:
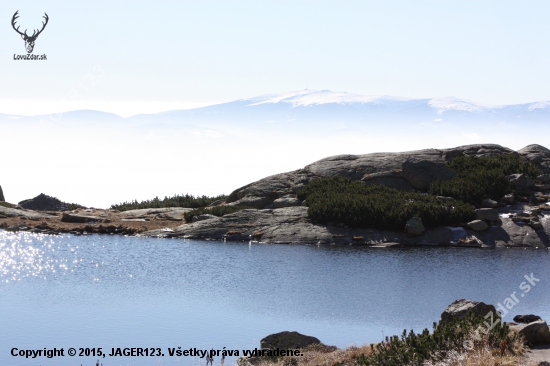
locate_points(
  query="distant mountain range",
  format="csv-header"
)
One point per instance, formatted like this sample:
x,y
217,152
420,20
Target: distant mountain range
x,y
309,108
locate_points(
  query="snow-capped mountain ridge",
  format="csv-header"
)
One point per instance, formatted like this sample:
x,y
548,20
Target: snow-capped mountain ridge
x,y
316,97
304,98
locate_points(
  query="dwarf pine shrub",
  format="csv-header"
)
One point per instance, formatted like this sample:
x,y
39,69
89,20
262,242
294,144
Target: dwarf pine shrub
x,y
73,206
177,200
482,177
455,336
355,204
216,211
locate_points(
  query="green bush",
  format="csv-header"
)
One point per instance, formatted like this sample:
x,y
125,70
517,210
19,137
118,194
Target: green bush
x,y
414,349
174,201
355,204
216,211
482,177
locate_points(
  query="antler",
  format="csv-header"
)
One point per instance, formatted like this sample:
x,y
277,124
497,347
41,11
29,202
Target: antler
x,y
15,16
34,34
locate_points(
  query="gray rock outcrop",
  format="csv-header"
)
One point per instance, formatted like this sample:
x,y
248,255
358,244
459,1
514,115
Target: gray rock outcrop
x,y
43,202
537,154
458,309
405,171
287,340
2,199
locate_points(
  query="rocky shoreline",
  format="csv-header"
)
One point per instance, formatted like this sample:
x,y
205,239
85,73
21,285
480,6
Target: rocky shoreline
x,y
288,225
519,220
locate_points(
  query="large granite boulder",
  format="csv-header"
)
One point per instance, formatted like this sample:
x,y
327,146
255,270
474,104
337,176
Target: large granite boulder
x,y
2,199
421,173
460,308
536,333
288,340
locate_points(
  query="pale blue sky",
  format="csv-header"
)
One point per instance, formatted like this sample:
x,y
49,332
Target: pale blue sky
x,y
167,54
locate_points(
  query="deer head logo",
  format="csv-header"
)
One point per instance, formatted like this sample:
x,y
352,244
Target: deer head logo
x,y
29,40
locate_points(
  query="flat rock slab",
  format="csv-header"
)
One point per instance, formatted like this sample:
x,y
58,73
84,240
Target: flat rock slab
x,y
14,212
168,213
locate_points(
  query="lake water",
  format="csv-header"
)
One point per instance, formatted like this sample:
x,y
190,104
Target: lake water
x,y
111,291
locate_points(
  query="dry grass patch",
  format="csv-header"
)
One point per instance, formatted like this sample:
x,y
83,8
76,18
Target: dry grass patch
x,y
321,355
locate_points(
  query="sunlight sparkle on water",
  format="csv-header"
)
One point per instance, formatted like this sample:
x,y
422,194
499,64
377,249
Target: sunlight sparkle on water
x,y
25,254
